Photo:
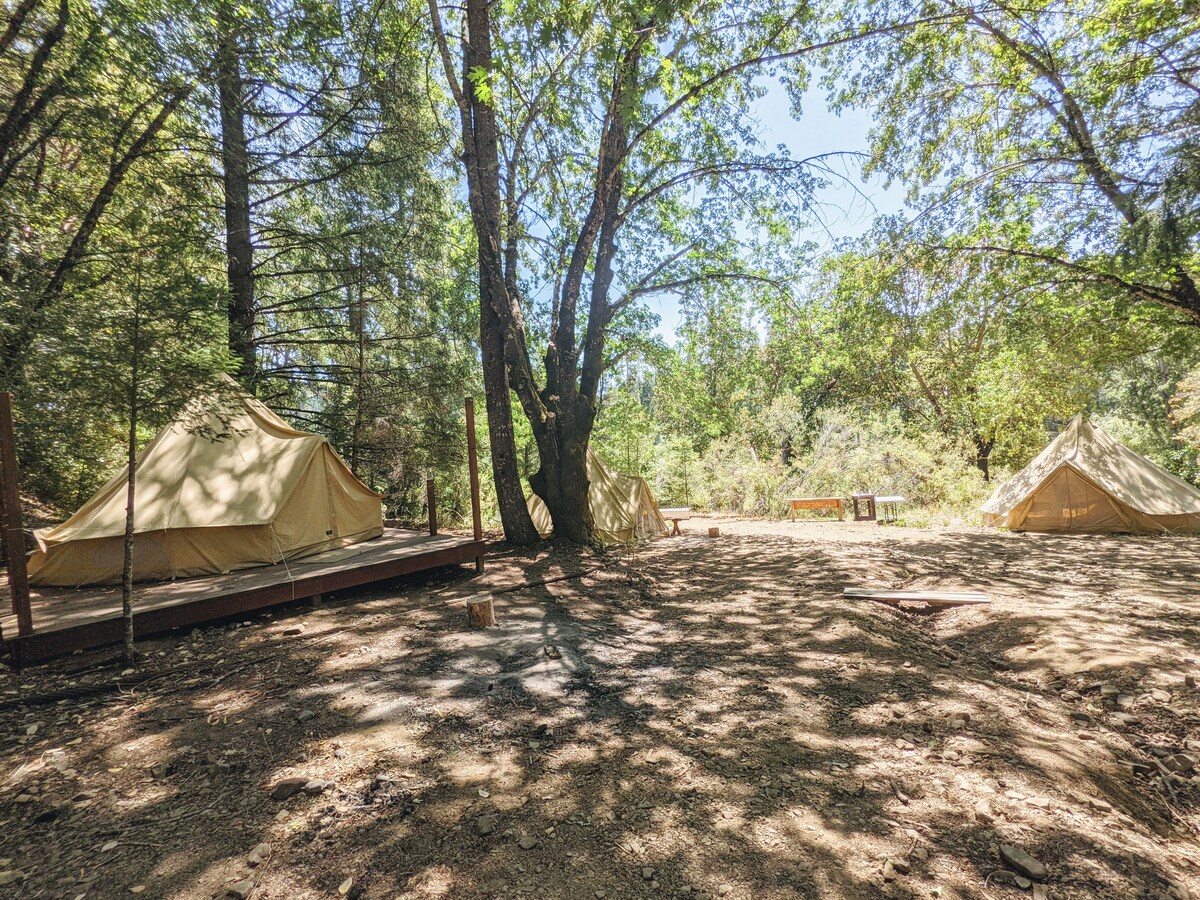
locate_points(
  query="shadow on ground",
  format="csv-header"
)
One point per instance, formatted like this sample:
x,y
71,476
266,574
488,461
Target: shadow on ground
x,y
696,718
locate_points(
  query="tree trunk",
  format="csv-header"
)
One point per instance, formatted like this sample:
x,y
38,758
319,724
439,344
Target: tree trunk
x,y
236,165
358,325
131,484
983,453
562,480
506,474
482,154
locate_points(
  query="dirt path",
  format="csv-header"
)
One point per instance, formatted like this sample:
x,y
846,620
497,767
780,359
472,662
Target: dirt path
x,y
696,718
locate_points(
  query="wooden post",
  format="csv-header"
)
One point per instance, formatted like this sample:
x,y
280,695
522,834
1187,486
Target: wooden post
x,y
473,469
10,509
480,612
431,501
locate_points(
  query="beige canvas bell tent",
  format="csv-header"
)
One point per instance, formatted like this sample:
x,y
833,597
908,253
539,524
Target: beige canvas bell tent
x,y
1086,481
622,506
227,486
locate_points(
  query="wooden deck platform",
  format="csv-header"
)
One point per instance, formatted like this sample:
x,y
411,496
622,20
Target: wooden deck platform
x,y
65,619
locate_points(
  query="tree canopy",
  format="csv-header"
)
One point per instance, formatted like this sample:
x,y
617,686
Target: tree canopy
x,y
365,212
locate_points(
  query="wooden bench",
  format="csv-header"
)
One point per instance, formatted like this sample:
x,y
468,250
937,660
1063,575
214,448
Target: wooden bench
x,y
676,514
816,503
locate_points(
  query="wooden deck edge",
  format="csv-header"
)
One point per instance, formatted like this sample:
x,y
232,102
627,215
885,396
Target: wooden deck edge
x,y
41,646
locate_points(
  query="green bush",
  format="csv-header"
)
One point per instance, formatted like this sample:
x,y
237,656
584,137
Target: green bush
x,y
844,453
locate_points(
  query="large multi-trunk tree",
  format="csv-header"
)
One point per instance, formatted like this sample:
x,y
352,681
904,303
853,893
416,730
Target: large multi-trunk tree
x,y
585,128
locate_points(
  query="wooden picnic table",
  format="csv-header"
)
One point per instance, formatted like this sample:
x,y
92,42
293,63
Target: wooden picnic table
x,y
676,514
816,503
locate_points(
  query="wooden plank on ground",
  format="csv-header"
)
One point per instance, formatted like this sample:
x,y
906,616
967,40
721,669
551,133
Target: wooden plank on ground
x,y
933,598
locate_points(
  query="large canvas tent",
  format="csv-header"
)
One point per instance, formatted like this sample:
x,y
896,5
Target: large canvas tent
x,y
226,486
622,506
1086,481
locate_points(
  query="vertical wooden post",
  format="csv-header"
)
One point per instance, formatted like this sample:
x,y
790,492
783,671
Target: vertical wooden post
x,y
473,469
10,509
431,501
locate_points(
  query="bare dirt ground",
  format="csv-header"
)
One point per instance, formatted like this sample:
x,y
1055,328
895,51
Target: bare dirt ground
x,y
696,718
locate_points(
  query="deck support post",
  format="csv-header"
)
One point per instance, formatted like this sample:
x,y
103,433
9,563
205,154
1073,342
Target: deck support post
x,y
10,511
431,502
315,601
473,468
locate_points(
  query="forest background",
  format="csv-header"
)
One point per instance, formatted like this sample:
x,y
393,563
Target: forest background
x,y
281,191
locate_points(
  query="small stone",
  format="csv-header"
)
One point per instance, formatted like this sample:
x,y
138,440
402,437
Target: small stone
x,y
951,755
983,812
647,873
259,855
889,871
1189,680
1020,861
293,630
341,753
723,890
1109,691
12,876
1023,883
240,890
137,889
306,714
920,853
111,845
1181,763
1161,696
527,842
1100,806
1125,719
1038,802
600,895
288,787
344,887
902,866
317,786
1125,701
485,825
1080,717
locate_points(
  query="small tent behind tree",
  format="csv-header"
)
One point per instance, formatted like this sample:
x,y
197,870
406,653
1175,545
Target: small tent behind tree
x,y
228,485
1086,481
623,508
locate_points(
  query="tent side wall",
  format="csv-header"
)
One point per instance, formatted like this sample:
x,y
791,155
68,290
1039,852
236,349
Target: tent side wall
x,y
329,508
1070,502
157,555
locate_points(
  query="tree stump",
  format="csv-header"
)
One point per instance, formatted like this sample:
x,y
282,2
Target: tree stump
x,y
480,612
714,532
